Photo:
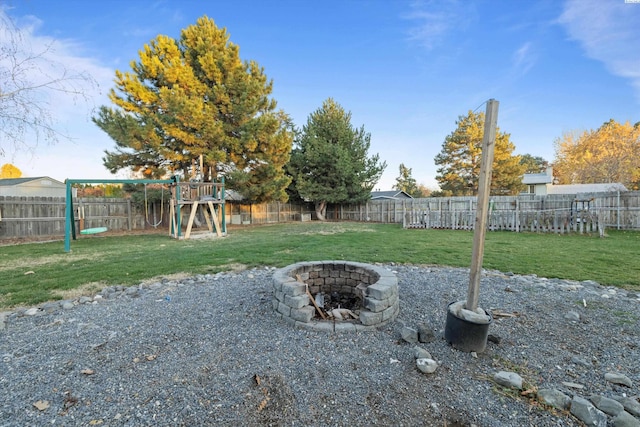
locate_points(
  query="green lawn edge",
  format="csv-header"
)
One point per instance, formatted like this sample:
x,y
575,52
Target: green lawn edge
x,y
34,273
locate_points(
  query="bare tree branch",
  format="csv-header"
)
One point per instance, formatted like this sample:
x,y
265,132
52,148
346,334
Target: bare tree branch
x,y
31,81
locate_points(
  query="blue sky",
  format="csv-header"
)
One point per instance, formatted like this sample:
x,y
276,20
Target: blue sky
x,y
405,69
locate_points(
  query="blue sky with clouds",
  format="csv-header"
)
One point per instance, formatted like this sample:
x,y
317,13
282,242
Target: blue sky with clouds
x,y
405,69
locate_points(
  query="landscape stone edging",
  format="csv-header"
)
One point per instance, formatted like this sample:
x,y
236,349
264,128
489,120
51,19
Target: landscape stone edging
x,y
379,287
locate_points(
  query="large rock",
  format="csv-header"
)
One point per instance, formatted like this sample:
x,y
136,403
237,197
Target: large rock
x,y
631,405
582,409
409,334
618,378
3,316
555,398
508,379
474,316
421,353
607,405
572,316
478,316
625,419
427,366
425,334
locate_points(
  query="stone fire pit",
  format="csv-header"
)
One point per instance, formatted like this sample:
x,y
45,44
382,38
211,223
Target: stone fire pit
x,y
374,291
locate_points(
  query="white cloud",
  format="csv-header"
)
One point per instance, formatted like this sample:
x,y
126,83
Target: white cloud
x,y
436,19
608,32
52,74
48,58
524,58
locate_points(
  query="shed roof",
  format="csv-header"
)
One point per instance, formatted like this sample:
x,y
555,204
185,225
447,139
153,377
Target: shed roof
x,y
537,178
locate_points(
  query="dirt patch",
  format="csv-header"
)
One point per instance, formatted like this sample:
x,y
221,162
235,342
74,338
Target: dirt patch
x,y
233,267
49,239
270,401
337,230
88,289
31,264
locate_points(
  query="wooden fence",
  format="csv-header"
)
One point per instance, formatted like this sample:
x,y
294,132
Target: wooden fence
x,y
25,217
22,217
556,220
267,213
551,213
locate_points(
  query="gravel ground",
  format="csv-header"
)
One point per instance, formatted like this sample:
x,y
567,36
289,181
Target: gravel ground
x,y
208,350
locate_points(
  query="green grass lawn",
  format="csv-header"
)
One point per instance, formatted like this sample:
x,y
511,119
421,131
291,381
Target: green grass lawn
x,y
37,272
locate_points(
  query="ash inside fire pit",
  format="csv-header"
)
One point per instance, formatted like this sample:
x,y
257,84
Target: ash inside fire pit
x,y
327,303
337,300
335,295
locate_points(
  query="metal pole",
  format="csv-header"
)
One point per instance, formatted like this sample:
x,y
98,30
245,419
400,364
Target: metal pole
x,y
67,218
178,212
484,188
224,215
618,211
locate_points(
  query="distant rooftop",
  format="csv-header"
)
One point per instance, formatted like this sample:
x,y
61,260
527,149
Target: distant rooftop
x,y
586,188
393,194
8,182
536,178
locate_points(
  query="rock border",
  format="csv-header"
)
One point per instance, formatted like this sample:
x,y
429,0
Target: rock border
x,y
377,286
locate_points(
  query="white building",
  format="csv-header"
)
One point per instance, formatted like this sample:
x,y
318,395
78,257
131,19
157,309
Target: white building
x,y
42,186
541,184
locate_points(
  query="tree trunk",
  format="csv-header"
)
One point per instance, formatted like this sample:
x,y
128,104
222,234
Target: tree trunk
x,y
321,210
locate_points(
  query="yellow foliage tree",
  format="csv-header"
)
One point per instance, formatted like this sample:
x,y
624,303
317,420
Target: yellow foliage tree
x,y
9,171
608,154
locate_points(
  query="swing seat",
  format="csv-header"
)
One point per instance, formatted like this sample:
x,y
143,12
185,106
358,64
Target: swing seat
x,y
93,230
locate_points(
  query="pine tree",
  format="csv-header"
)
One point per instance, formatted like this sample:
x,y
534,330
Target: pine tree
x,y
533,164
330,162
459,160
192,99
406,182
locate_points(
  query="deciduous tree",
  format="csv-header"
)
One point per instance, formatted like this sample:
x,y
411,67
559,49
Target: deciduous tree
x,y
29,78
608,154
330,161
10,171
424,191
459,160
194,100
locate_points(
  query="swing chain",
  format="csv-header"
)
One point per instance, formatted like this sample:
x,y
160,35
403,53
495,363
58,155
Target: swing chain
x,y
146,207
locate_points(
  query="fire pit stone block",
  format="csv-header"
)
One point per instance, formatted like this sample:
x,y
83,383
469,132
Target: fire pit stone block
x,y
376,287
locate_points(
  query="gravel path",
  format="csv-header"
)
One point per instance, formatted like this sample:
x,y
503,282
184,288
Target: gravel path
x,y
208,350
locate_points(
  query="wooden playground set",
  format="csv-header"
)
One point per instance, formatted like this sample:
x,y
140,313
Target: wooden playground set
x,y
187,198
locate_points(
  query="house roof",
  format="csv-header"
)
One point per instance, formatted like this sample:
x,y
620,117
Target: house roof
x,y
10,182
585,188
233,196
394,194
